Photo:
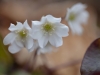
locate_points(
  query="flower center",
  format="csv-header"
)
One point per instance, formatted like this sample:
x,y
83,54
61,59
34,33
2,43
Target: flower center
x,y
48,27
72,17
22,33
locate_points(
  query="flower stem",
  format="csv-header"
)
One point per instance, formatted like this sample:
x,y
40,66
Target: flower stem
x,y
33,57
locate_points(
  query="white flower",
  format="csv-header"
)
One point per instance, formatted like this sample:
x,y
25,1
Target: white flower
x,y
77,15
48,48
19,37
49,30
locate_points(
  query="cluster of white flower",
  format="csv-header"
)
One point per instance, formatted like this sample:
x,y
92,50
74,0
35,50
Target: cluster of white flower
x,y
45,33
48,32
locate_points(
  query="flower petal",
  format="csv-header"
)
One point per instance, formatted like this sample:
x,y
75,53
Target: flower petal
x,y
43,20
76,28
71,25
39,35
35,46
19,25
19,43
79,7
82,17
26,25
29,42
43,40
67,14
55,40
9,38
62,30
36,27
36,23
12,27
48,48
13,48
52,19
36,34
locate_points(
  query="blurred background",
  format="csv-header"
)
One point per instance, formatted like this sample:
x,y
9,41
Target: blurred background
x,y
67,59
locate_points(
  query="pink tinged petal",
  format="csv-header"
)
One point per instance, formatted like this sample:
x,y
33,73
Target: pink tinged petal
x,y
82,17
43,40
79,7
13,48
29,42
9,38
19,43
12,27
55,40
52,19
62,30
26,25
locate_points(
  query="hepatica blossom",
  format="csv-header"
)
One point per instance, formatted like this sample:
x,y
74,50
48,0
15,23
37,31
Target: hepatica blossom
x,y
47,33
76,16
49,30
19,37
48,48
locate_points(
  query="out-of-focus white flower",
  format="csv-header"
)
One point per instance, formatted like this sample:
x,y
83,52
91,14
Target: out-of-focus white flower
x,y
77,15
48,48
19,37
49,30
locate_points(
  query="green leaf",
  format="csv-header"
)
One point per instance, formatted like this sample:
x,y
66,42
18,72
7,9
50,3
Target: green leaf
x,y
38,72
3,68
4,54
20,72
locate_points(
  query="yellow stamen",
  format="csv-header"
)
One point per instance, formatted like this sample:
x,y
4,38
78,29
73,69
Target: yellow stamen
x,y
22,33
48,27
72,17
